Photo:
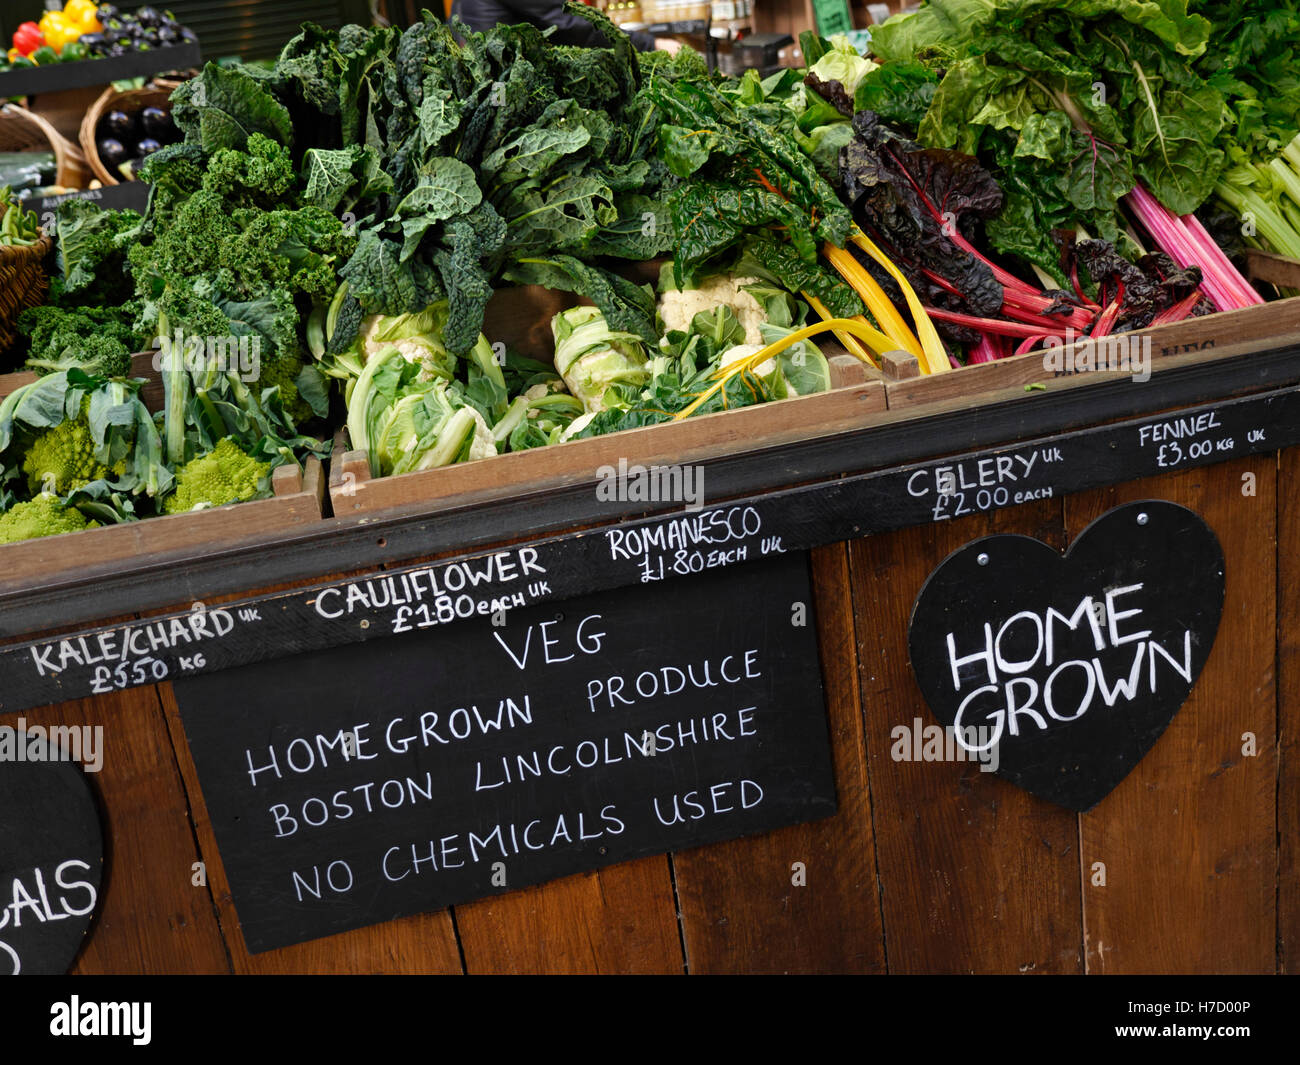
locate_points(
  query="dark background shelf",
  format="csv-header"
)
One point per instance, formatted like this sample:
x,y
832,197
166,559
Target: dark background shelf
x,y
58,77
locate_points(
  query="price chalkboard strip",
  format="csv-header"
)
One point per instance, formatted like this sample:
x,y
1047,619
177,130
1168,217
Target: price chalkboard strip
x,y
677,547
331,546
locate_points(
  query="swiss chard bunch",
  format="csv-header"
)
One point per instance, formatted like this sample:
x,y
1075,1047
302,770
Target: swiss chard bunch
x,y
1074,103
746,185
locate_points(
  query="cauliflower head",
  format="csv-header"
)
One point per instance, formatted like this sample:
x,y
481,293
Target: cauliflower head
x,y
43,516
678,306
226,474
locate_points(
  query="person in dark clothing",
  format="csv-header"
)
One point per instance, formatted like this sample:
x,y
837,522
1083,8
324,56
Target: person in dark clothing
x,y
482,15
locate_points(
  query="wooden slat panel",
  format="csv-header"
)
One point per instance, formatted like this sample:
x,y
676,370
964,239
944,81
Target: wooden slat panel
x,y
1189,837
618,920
1288,712
976,875
741,911
425,943
151,918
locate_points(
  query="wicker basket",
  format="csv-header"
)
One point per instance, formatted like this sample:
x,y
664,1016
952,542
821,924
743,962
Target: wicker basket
x,y
24,283
22,130
131,101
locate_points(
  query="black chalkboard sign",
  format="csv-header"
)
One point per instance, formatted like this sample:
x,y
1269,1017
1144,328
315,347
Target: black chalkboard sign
x,y
51,853
1059,674
364,783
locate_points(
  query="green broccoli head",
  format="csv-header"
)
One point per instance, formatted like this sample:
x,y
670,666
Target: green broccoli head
x,y
226,474
283,374
43,516
62,459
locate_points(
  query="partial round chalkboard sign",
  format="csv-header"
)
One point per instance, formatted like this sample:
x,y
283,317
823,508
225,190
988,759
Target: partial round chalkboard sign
x,y
1060,673
51,853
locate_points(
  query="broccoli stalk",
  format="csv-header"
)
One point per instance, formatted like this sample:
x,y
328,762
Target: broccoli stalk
x,y
176,398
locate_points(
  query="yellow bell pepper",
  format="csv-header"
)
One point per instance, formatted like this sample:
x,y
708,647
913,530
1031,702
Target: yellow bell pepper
x,y
85,14
58,29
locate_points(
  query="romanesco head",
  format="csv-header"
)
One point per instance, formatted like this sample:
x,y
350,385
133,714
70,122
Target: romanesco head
x,y
226,474
43,516
62,459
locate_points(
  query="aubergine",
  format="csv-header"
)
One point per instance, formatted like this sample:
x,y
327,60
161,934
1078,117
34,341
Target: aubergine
x,y
156,123
118,124
147,147
112,153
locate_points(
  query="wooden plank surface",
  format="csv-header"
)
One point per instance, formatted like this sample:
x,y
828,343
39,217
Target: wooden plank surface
x,y
975,874
152,918
621,919
218,527
1188,839
742,909
1288,712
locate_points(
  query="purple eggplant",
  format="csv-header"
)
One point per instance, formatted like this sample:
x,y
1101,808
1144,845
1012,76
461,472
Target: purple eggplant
x,y
117,124
111,152
157,123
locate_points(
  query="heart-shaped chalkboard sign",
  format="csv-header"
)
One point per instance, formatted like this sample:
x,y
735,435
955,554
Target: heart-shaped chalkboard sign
x,y
51,853
1059,674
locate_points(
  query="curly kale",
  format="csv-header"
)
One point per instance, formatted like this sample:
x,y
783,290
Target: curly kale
x,y
90,250
240,261
96,340
260,174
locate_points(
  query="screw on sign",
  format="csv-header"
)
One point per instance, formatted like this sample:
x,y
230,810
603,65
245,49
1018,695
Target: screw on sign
x,y
51,854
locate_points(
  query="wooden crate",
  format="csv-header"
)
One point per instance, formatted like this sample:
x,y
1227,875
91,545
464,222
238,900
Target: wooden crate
x,y
12,382
906,387
141,366
298,501
857,395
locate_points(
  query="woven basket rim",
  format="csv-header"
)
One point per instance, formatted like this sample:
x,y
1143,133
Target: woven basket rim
x,y
72,168
25,251
86,134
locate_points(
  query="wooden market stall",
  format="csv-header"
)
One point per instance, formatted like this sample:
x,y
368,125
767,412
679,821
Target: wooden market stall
x,y
1188,865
